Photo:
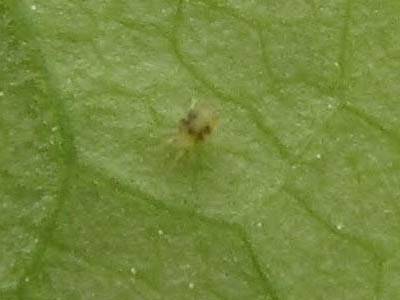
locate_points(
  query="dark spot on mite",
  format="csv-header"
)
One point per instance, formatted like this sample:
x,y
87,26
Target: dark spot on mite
x,y
191,131
204,132
187,124
207,130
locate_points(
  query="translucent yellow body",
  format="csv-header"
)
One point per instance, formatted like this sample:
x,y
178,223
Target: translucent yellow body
x,y
199,123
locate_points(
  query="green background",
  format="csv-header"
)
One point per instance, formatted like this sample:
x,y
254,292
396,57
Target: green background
x,y
296,196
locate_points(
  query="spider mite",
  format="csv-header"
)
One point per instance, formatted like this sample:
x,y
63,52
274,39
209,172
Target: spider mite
x,y
197,126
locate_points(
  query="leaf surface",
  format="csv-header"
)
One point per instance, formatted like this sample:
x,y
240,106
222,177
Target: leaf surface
x,y
296,196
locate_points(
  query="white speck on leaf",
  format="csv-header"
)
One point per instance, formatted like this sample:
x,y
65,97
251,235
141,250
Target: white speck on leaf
x,y
339,226
1,94
318,156
259,224
133,271
160,232
33,7
27,279
191,285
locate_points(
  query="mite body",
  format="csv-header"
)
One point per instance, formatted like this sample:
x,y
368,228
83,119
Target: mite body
x,y
199,123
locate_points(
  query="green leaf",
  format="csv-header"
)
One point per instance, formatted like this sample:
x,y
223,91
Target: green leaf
x,y
296,196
